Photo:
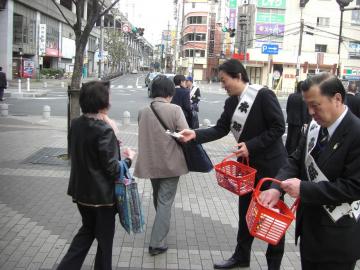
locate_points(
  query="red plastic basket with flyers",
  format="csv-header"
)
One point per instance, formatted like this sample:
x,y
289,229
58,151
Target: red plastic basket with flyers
x,y
269,224
235,176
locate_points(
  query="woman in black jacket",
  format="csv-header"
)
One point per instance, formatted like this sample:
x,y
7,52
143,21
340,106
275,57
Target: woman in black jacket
x,y
95,155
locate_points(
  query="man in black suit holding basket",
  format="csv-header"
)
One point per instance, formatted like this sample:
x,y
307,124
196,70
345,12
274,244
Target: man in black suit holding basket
x,y
324,172
253,114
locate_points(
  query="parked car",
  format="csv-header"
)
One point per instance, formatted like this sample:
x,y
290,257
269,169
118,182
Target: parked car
x,y
168,75
149,77
134,71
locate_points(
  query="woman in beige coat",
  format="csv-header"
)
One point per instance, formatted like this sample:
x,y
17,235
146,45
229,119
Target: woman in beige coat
x,y
160,158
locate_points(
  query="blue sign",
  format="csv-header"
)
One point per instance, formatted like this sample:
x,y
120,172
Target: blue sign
x,y
270,49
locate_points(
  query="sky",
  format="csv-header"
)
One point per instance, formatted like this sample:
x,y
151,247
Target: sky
x,y
153,15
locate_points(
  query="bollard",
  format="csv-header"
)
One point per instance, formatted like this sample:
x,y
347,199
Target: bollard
x,y
206,123
4,109
19,85
62,84
46,112
28,84
126,117
45,84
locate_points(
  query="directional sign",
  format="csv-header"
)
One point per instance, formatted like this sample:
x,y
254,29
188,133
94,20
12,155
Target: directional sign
x,y
270,49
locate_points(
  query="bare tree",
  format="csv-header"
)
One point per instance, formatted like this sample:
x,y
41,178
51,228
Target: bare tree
x,y
116,47
82,33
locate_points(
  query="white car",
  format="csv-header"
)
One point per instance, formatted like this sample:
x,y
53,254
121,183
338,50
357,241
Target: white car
x,y
134,71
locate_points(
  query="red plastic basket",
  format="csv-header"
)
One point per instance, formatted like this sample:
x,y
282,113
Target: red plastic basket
x,y
269,224
235,176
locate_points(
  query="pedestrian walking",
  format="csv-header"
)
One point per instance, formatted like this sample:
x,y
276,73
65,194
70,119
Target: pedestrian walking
x,y
160,158
352,100
95,155
3,84
297,117
195,99
182,97
253,114
324,173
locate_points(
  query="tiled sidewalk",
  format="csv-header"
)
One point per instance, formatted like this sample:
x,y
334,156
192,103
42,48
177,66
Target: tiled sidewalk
x,y
38,220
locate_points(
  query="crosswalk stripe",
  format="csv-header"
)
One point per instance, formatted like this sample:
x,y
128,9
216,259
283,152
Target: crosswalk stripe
x,y
129,86
120,86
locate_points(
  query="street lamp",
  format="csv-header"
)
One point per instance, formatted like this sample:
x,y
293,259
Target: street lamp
x,y
342,4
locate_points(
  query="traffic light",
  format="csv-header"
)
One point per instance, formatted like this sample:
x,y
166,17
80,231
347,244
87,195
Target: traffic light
x,y
231,32
134,30
141,31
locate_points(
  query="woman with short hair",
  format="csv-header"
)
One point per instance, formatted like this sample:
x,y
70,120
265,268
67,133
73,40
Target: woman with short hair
x,y
160,158
95,155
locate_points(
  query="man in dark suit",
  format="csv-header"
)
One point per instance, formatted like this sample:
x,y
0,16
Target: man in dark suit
x,y
253,114
324,173
352,100
297,116
182,97
3,84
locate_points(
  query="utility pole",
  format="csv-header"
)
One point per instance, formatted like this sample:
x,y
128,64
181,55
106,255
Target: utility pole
x,y
176,38
167,44
101,48
193,60
300,46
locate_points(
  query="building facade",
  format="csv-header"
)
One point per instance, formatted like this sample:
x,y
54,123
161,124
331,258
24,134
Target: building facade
x,y
37,37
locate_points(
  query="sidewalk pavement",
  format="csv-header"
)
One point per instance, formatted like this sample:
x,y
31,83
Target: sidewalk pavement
x,y
38,220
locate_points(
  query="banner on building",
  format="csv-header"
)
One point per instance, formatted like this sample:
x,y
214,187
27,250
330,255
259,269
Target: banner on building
x,y
42,39
281,4
270,29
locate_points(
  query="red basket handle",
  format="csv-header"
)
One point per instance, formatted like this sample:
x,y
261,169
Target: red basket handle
x,y
258,186
262,180
234,155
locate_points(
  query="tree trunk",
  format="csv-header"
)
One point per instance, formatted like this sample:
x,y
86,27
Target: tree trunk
x,y
76,79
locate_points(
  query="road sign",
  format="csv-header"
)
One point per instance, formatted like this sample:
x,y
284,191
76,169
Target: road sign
x,y
270,49
126,28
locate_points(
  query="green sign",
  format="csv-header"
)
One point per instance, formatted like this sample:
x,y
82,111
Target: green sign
x,y
233,3
270,18
272,4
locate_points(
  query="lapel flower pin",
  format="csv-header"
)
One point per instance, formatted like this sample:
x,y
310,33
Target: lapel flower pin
x,y
336,146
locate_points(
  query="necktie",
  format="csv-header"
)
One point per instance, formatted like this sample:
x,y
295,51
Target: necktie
x,y
321,142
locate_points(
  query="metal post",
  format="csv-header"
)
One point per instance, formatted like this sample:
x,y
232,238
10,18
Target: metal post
x,y
101,47
300,47
193,60
340,39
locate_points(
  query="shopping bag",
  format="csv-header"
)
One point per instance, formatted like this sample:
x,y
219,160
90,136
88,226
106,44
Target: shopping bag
x,y
197,159
128,201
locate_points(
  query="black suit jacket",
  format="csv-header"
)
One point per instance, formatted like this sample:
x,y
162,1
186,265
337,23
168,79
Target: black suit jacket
x,y
3,82
182,98
262,132
94,153
321,238
353,102
296,110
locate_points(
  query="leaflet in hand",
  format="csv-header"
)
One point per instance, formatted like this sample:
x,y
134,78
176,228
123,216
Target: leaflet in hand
x,y
173,134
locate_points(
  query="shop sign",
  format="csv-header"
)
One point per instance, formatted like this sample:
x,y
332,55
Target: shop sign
x,y
281,4
42,39
270,29
351,73
263,17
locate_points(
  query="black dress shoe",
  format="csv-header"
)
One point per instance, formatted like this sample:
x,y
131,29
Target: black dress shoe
x,y
157,250
231,263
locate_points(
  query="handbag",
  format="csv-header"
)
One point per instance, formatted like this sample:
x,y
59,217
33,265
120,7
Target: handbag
x,y
197,160
128,202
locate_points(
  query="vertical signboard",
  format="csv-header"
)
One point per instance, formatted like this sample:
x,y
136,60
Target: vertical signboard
x,y
42,39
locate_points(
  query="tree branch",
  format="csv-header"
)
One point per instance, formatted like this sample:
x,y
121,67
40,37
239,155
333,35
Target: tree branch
x,y
106,10
62,13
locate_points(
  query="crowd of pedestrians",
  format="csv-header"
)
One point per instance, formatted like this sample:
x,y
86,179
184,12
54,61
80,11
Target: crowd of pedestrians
x,y
319,165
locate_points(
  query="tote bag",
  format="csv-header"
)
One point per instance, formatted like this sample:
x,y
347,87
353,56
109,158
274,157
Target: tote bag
x,y
128,201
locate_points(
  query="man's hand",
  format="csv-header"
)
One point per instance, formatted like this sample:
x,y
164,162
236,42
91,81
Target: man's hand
x,y
242,151
291,186
187,135
270,197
